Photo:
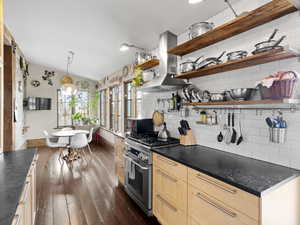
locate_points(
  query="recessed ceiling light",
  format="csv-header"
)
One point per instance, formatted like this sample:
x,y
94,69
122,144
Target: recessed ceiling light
x,y
195,1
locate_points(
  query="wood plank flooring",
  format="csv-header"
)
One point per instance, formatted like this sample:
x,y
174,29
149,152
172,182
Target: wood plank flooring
x,y
83,195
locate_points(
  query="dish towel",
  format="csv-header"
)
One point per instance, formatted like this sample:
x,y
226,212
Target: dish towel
x,y
130,168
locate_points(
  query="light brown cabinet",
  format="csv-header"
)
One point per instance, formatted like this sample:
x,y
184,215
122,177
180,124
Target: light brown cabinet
x,y
183,196
119,159
169,191
26,211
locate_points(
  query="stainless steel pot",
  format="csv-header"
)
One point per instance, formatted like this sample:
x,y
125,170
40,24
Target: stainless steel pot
x,y
217,97
241,94
197,29
189,65
210,61
236,55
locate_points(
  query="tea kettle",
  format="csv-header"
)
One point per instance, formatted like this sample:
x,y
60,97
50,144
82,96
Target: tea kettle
x,y
164,134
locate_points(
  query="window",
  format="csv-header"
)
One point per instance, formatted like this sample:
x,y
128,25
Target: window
x,y
103,108
133,103
115,108
68,104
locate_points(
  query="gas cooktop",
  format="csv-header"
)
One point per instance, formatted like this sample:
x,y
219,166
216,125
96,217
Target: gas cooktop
x,y
153,141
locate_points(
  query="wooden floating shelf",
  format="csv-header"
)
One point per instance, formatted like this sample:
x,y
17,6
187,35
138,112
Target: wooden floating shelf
x,y
265,57
264,14
148,64
258,102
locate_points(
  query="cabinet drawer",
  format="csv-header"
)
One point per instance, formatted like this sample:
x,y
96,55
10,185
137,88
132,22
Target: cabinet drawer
x,y
167,214
232,196
173,168
206,210
170,188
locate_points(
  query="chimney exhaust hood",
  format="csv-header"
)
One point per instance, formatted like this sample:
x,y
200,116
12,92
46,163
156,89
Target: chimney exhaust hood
x,y
165,80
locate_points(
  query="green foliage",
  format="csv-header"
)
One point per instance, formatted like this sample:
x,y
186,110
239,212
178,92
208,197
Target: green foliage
x,y
138,78
94,101
73,101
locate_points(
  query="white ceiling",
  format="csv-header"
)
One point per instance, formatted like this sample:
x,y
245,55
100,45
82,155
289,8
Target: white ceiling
x,y
94,29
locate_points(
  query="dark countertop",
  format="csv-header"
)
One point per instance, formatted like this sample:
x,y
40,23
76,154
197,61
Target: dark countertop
x,y
14,167
251,175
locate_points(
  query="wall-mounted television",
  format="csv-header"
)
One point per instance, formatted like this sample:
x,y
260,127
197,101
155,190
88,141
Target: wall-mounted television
x,y
37,103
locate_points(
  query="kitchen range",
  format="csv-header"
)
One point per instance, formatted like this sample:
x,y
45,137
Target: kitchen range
x,y
138,160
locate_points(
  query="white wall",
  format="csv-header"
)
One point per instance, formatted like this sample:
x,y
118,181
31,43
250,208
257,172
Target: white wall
x,y
38,121
256,143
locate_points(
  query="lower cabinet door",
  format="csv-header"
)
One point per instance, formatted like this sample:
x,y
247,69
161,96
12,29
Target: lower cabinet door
x,y
170,188
206,210
19,216
167,214
191,221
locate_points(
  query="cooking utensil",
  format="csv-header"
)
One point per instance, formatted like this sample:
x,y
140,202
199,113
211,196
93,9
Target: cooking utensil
x,y
241,138
236,55
189,65
241,94
158,118
210,61
220,136
268,45
217,97
197,29
206,96
269,122
228,131
164,134
234,133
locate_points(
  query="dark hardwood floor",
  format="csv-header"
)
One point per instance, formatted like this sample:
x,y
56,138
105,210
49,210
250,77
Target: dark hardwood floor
x,y
83,196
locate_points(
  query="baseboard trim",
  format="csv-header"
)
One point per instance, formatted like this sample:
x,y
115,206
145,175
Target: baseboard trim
x,y
32,143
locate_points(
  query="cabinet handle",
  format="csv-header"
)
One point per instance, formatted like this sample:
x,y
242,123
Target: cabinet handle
x,y
167,176
167,161
232,214
231,191
17,219
25,193
167,203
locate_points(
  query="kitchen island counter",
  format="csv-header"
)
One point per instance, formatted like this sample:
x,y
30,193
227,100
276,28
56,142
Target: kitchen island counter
x,y
251,175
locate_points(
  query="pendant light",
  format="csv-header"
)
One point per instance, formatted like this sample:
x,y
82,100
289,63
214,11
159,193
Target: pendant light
x,y
67,81
195,1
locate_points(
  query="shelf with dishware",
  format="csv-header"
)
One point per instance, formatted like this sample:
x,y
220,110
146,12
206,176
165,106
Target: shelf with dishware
x,y
253,60
148,64
264,14
291,104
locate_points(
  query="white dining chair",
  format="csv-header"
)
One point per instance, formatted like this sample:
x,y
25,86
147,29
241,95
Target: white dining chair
x,y
79,143
90,138
52,144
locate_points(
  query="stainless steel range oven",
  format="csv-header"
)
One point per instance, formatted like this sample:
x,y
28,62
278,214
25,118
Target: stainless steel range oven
x,y
138,174
138,167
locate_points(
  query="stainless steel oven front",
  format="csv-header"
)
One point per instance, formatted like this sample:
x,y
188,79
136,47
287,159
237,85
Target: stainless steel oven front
x,y
138,175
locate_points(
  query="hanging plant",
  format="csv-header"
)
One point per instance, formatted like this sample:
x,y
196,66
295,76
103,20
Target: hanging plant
x,y
138,78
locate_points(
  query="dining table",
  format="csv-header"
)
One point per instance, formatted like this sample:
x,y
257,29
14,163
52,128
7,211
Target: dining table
x,y
71,156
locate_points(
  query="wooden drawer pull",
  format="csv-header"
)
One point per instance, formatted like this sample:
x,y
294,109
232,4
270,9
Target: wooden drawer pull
x,y
231,191
232,214
167,176
167,161
166,203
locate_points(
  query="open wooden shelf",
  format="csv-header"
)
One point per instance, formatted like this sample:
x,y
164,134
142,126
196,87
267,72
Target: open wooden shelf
x,y
257,17
265,57
257,102
148,64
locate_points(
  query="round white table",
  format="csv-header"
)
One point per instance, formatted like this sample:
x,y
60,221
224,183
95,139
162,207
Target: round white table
x,y
68,134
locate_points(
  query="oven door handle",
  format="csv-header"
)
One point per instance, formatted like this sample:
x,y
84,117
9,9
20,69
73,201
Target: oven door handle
x,y
135,163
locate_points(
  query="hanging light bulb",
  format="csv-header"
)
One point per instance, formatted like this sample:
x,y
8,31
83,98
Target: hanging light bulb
x,y
68,86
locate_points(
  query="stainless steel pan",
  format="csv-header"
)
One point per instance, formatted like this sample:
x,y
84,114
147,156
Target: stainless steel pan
x,y
210,61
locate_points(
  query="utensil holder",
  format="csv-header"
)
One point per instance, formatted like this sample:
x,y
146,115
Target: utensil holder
x,y
188,139
278,135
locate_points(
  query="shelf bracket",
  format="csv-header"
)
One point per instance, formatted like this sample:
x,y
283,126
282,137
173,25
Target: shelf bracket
x,y
296,3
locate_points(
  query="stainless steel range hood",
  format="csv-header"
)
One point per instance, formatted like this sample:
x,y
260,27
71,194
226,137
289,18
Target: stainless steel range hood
x,y
165,80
